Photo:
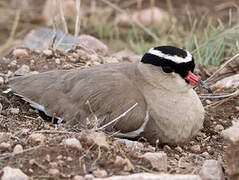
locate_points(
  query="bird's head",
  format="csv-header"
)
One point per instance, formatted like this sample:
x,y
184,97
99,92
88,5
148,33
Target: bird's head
x,y
173,59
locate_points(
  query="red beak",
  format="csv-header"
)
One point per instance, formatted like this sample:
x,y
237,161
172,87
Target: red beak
x,y
192,78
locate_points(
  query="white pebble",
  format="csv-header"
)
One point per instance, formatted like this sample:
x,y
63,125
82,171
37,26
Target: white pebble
x,y
18,149
20,53
14,110
37,138
72,143
47,52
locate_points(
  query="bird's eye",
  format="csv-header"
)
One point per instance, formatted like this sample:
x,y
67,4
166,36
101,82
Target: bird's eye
x,y
167,69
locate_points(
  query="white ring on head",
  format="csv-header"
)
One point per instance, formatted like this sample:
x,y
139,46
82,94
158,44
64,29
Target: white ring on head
x,y
174,58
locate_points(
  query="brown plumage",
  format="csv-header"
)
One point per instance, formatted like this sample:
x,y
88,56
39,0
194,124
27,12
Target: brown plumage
x,y
170,108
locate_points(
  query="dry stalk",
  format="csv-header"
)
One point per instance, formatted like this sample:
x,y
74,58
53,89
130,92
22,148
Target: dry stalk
x,y
217,103
78,21
98,157
63,21
222,67
53,38
12,33
221,96
7,155
139,24
55,132
117,118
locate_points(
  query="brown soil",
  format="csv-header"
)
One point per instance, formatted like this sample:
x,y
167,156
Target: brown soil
x,y
21,125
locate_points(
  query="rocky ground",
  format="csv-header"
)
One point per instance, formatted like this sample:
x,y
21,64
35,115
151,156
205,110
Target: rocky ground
x,y
42,150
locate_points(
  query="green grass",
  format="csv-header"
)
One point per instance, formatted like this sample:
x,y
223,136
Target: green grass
x,y
210,42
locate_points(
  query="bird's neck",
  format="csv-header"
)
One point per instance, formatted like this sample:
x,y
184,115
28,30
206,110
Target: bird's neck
x,y
155,76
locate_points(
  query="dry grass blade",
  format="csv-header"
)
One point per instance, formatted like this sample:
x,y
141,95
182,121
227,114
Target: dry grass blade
x,y
78,21
12,33
222,67
221,96
63,21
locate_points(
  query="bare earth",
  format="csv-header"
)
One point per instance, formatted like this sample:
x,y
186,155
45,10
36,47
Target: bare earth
x,y
36,159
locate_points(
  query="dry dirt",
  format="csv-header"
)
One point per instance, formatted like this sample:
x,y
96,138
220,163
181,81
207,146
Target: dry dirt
x,y
36,160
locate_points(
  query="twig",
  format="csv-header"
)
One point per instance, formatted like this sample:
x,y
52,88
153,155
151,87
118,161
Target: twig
x,y
12,33
78,21
217,103
63,21
7,155
117,118
222,67
53,38
221,96
55,132
139,24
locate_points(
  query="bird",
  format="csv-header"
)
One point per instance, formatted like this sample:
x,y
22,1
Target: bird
x,y
152,98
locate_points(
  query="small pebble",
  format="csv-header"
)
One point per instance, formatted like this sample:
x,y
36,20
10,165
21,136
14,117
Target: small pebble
x,y
177,156
12,63
69,159
14,110
18,149
5,146
196,149
38,51
78,178
119,161
192,142
57,61
237,108
201,134
60,157
179,149
53,164
30,171
210,150
219,127
214,137
167,148
37,138
1,81
9,173
54,172
208,101
72,143
206,155
23,70
89,177
47,52
48,158
100,173
20,53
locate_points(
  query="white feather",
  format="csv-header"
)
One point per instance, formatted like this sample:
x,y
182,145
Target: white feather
x,y
174,58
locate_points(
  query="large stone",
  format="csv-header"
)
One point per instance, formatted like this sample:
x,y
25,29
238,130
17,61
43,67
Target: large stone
x,y
158,160
149,176
92,43
147,17
211,170
226,83
232,133
20,53
13,174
